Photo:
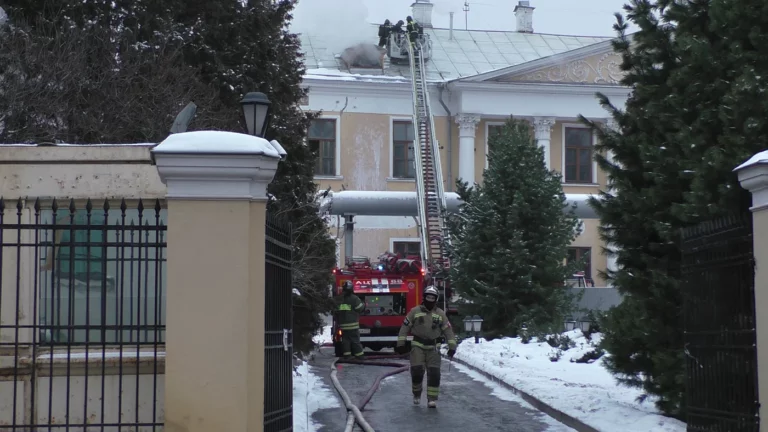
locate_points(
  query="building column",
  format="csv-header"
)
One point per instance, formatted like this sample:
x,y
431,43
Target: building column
x,y
467,128
543,129
216,193
754,177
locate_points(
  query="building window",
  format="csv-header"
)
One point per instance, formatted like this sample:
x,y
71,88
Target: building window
x,y
578,155
403,165
583,255
406,248
322,140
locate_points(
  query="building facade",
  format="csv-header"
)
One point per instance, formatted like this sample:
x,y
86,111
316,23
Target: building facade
x,y
477,80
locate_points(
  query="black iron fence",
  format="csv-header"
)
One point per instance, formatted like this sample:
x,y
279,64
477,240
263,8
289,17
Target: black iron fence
x,y
278,354
719,322
82,305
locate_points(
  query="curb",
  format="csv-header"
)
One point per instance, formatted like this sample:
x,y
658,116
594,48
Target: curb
x,y
547,409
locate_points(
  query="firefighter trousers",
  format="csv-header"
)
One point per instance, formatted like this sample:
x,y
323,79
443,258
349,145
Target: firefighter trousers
x,y
427,360
350,343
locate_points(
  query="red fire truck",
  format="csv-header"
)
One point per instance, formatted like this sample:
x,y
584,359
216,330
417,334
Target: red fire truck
x,y
389,288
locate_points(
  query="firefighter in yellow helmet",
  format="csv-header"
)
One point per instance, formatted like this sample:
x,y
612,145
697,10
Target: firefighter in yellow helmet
x,y
348,308
426,323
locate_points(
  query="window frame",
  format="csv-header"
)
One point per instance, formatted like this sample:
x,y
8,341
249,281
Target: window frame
x,y
563,164
579,253
392,121
488,125
337,155
395,240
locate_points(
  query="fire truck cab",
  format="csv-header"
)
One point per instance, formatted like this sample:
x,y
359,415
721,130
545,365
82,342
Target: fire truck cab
x,y
389,288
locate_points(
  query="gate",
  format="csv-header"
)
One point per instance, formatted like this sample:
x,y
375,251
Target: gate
x,y
278,354
719,323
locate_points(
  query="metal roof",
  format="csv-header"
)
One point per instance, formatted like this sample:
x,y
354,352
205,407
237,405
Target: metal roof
x,y
470,52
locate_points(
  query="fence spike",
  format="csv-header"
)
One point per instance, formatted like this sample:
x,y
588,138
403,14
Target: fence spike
x,y
72,207
123,206
88,206
54,207
37,206
106,206
140,207
158,207
19,206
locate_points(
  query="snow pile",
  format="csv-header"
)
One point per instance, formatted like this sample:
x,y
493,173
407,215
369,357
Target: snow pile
x,y
309,395
759,158
586,391
324,337
338,75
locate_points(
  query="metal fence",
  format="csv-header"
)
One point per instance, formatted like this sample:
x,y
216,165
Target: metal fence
x,y
82,306
278,354
719,322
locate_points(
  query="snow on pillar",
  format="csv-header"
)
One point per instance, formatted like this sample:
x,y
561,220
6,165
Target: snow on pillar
x,y
467,128
543,129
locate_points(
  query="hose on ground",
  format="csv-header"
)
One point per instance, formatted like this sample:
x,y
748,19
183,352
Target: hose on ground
x,y
352,410
354,414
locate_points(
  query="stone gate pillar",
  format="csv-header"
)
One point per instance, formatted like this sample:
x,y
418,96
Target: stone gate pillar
x,y
214,373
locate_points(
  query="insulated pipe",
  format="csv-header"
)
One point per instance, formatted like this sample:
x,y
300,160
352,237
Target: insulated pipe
x,y
440,88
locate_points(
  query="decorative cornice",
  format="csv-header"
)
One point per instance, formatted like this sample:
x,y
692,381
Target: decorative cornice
x,y
606,71
467,123
545,88
543,127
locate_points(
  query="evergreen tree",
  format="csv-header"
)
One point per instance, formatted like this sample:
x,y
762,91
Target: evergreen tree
x,y
511,238
692,117
234,47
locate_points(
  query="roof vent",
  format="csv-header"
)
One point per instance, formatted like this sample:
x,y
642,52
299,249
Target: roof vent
x,y
524,14
422,12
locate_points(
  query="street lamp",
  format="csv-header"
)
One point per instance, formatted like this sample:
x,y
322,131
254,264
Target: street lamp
x,y
473,324
256,111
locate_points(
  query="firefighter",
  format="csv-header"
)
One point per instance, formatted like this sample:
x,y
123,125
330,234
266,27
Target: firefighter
x,y
384,32
426,323
413,29
348,307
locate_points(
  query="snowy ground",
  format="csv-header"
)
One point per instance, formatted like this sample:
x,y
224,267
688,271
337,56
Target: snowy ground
x,y
309,395
583,390
324,337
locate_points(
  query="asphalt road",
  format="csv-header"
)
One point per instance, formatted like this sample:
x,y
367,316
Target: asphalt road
x,y
465,404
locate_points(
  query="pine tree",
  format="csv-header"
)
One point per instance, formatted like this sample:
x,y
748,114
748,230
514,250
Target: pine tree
x,y
511,238
694,114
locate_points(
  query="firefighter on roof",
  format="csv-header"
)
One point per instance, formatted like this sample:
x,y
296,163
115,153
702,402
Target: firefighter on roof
x,y
413,29
426,323
384,31
348,307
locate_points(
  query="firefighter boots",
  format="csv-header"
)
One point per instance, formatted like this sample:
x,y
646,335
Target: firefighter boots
x,y
416,400
432,404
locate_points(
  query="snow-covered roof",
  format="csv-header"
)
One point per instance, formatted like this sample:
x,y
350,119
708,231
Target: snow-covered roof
x,y
471,52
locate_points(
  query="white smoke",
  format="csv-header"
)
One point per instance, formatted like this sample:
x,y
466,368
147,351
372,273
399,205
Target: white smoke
x,y
339,24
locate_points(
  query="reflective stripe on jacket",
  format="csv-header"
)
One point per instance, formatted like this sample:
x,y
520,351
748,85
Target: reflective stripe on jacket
x,y
426,326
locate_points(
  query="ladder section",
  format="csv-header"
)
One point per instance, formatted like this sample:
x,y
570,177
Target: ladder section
x,y
429,176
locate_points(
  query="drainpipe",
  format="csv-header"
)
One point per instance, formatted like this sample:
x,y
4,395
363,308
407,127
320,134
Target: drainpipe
x,y
441,87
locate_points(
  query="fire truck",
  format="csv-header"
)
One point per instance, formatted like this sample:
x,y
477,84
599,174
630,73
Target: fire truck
x,y
389,288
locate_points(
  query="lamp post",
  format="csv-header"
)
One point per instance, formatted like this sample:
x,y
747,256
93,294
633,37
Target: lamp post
x,y
473,324
256,111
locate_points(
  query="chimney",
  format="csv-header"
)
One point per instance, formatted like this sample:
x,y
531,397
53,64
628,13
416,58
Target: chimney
x,y
524,14
422,12
450,28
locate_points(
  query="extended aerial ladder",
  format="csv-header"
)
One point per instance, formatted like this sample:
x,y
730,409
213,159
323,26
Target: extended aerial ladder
x,y
430,189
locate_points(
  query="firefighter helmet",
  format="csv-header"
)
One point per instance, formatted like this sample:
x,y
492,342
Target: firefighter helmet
x,y
347,286
431,290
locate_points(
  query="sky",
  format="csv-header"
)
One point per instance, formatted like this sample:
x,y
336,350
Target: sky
x,y
565,17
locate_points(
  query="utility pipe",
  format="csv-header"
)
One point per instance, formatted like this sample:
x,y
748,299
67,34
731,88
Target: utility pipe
x,y
451,180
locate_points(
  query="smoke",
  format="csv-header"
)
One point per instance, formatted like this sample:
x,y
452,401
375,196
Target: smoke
x,y
339,24
363,55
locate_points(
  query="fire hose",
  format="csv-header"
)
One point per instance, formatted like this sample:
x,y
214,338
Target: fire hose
x,y
354,413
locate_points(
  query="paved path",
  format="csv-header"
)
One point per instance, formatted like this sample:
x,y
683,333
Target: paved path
x,y
465,404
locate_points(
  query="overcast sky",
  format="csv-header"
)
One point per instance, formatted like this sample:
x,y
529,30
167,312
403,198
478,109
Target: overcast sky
x,y
568,17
